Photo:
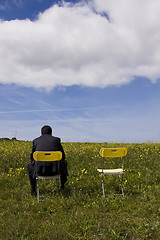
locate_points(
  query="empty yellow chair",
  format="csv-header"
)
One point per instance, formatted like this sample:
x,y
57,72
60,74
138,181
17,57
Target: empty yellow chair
x,y
51,156
112,153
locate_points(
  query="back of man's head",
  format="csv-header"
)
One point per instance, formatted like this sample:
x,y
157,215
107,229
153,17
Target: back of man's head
x,y
46,130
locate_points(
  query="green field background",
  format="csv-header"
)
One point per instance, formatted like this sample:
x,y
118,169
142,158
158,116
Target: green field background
x,y
80,211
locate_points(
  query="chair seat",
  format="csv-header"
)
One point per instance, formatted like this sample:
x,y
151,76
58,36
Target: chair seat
x,y
111,171
47,156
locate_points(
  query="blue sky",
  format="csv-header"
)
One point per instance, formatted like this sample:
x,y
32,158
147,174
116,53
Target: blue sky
x,y
90,69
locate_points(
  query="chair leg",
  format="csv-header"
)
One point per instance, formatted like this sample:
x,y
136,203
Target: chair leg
x,y
37,191
102,185
121,179
57,184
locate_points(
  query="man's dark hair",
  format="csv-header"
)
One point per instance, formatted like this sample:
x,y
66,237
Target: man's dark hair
x,y
46,130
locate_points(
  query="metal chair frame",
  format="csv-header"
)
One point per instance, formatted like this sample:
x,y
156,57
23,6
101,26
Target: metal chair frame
x,y
112,153
51,156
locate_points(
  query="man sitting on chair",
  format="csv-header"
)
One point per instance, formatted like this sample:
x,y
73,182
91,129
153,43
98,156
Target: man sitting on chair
x,y
47,142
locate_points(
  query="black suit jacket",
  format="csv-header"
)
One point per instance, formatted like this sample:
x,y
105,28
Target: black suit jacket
x,y
47,142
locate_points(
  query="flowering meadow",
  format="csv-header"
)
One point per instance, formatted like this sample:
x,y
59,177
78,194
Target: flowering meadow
x,y
80,211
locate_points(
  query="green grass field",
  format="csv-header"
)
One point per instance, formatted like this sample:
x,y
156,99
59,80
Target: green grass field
x,y
80,211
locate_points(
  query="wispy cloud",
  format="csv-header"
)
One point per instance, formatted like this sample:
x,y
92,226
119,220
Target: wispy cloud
x,y
73,45
3,5
18,3
120,129
59,109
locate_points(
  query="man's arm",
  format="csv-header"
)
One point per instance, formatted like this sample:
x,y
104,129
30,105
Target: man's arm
x,y
63,162
31,156
61,149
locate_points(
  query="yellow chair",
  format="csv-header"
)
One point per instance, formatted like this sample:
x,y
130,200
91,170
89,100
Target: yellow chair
x,y
112,153
51,156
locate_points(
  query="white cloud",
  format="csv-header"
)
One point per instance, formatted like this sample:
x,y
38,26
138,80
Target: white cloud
x,y
72,44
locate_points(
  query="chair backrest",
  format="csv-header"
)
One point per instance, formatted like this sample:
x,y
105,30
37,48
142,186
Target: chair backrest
x,y
113,152
47,156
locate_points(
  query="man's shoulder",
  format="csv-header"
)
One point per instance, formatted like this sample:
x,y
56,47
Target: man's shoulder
x,y
56,138
47,136
36,139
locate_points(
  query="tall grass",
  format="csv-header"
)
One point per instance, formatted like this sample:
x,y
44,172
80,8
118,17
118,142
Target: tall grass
x,y
80,211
